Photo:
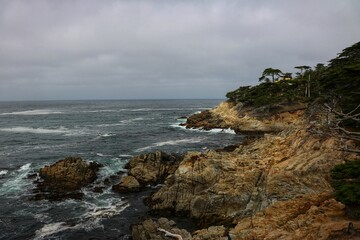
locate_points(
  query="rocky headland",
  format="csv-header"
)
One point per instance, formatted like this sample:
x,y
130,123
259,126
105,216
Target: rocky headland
x,y
273,187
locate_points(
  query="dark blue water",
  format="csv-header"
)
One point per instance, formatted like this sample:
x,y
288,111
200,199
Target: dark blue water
x,y
34,134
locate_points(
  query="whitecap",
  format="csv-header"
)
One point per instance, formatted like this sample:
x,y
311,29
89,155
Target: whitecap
x,y
17,180
3,172
131,120
171,142
34,112
102,155
108,135
59,130
25,167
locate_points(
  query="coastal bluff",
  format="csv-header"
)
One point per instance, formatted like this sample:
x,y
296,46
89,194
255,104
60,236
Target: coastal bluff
x,y
272,187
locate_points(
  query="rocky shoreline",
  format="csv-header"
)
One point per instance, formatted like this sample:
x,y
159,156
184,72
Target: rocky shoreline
x,y
274,187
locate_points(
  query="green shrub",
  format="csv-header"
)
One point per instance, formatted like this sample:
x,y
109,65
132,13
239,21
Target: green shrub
x,y
346,183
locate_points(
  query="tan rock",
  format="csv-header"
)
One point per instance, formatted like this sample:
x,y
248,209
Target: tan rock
x,y
306,217
153,167
127,184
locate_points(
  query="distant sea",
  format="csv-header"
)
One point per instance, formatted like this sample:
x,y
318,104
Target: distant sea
x,y
35,134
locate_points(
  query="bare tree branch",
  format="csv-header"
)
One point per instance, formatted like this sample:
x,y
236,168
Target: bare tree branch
x,y
169,234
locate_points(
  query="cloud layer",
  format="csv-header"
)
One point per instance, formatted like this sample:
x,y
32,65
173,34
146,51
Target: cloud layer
x,y
91,49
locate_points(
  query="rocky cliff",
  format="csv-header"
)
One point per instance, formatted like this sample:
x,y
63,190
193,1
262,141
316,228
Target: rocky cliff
x,y
282,178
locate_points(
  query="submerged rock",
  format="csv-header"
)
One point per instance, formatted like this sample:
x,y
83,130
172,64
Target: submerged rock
x,y
65,178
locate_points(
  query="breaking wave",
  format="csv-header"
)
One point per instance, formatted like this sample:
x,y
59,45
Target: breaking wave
x,y
34,112
36,130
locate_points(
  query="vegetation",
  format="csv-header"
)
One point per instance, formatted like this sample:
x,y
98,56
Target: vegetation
x,y
346,182
338,84
270,72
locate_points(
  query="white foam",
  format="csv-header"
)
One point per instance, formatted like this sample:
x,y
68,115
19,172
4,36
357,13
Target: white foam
x,y
3,172
50,229
17,181
107,211
25,167
108,135
214,130
60,130
102,155
88,221
131,120
171,142
221,130
34,112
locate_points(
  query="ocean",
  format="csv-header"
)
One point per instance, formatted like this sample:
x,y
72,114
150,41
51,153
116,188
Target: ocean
x,y
110,132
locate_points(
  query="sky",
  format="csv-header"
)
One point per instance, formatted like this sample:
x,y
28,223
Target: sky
x,y
161,49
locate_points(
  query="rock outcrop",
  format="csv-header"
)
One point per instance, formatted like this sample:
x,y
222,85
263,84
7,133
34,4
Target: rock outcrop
x,y
153,167
65,178
149,229
224,187
247,120
306,217
127,184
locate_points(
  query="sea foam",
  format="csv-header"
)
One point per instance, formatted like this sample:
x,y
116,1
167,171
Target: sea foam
x,y
171,142
34,112
60,130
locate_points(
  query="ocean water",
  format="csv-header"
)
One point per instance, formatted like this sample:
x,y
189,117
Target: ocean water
x,y
34,134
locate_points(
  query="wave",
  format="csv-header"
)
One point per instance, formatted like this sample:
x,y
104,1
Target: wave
x,y
171,142
121,123
34,112
16,182
3,172
60,130
214,130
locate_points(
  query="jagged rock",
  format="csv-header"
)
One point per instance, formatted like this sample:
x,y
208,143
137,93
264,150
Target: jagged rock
x,y
205,120
306,217
213,232
127,184
64,178
153,167
247,120
148,230
223,187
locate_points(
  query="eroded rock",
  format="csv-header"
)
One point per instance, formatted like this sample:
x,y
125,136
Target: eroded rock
x,y
127,184
223,187
65,178
153,167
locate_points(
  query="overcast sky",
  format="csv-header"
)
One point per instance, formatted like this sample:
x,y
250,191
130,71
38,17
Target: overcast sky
x,y
133,49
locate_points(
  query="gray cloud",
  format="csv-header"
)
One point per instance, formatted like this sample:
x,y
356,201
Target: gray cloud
x,y
162,49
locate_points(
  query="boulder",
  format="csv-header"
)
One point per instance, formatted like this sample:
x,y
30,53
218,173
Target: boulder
x,y
153,230
153,167
65,178
127,184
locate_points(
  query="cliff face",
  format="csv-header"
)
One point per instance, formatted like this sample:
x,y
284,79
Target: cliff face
x,y
263,176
